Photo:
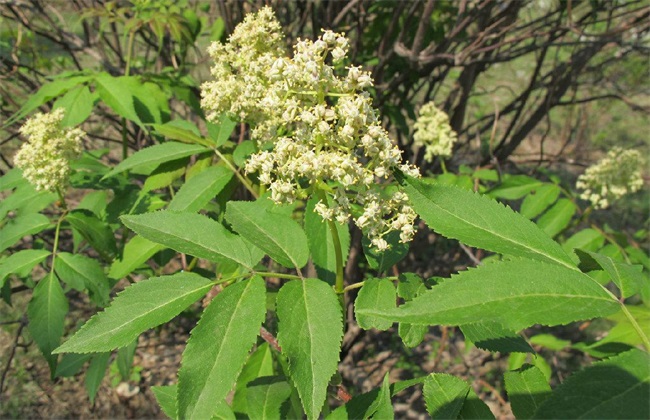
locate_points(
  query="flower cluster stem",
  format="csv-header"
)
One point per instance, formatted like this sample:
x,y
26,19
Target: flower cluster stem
x,y
339,284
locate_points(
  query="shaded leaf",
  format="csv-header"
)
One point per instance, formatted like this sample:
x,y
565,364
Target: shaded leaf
x,y
265,396
527,388
493,336
139,307
539,200
95,231
444,395
384,260
135,253
628,278
218,347
70,364
321,244
618,387
515,187
95,374
116,93
260,363
81,272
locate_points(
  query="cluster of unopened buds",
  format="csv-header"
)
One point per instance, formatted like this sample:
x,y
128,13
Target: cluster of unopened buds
x,y
617,174
316,130
433,132
45,157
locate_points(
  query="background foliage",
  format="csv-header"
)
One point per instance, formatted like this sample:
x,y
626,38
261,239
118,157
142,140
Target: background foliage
x,y
535,90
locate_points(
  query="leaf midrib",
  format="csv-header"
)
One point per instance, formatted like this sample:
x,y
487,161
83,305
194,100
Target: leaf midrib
x,y
495,233
499,300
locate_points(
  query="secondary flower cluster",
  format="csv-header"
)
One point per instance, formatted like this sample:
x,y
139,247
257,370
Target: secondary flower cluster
x,y
433,132
316,129
45,158
617,174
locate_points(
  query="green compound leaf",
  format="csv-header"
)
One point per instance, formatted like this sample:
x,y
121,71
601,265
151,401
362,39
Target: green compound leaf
x,y
151,157
21,263
475,408
558,217
166,398
375,293
218,347
193,234
539,200
321,244
281,237
139,307
618,387
97,232
265,396
46,313
516,294
81,272
200,189
527,389
444,395
24,225
478,221
310,329
493,336
628,278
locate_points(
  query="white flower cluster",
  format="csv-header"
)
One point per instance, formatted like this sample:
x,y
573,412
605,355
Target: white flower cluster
x,y
45,158
617,174
433,132
316,130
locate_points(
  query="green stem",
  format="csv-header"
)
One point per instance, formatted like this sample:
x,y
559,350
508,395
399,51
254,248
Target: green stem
x,y
63,204
278,275
239,176
637,327
353,286
127,71
55,247
443,166
339,285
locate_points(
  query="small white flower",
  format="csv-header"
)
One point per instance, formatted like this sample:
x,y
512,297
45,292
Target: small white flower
x,y
45,158
617,174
